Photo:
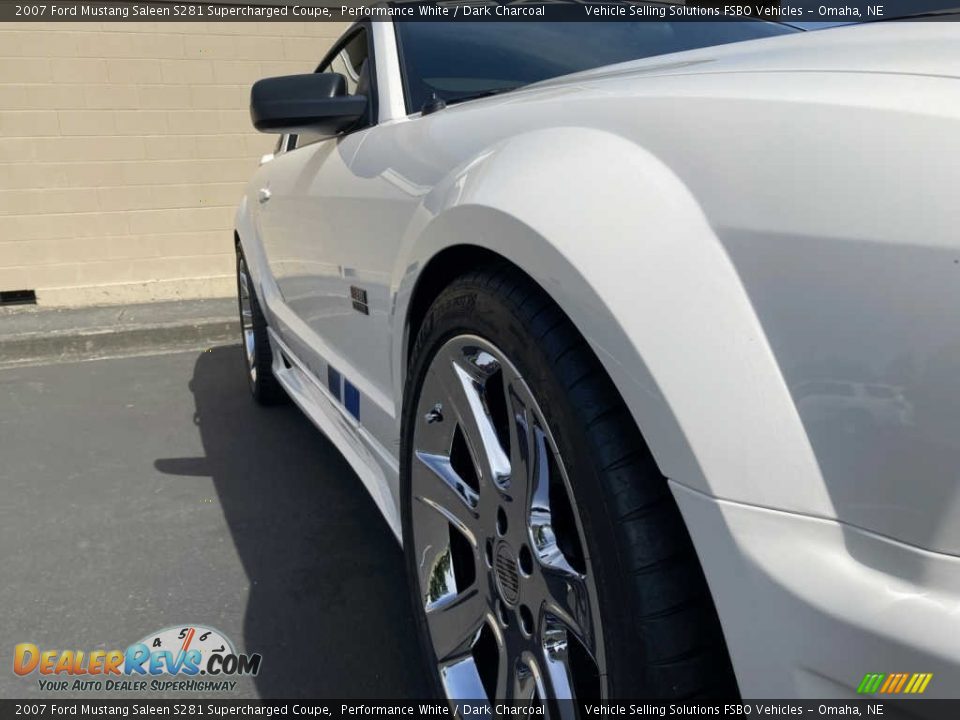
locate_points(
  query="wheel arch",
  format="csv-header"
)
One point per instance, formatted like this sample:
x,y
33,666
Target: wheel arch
x,y
441,270
454,260
247,238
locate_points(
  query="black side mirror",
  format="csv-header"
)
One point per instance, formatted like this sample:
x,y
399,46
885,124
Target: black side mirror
x,y
316,103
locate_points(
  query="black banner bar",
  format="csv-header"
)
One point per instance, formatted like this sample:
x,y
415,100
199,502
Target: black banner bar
x,y
481,710
801,11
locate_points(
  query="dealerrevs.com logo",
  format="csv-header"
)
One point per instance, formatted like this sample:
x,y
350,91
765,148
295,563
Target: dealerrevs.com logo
x,y
178,658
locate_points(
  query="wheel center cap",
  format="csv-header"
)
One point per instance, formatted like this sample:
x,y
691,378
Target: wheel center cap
x,y
506,574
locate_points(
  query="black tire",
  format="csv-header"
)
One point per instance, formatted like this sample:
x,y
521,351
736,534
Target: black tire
x,y
264,387
663,637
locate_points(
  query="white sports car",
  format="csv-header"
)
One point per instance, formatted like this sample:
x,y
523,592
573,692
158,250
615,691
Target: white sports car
x,y
643,337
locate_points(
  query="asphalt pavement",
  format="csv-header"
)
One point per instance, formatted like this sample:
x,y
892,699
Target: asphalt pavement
x,y
145,492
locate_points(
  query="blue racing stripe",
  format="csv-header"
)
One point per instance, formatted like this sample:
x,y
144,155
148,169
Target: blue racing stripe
x,y
333,382
351,399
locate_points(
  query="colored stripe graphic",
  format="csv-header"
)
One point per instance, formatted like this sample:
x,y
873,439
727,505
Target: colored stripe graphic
x,y
918,683
870,683
894,683
891,681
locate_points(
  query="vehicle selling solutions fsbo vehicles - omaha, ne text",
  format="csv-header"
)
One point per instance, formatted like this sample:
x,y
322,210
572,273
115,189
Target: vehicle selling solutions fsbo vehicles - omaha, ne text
x,y
559,292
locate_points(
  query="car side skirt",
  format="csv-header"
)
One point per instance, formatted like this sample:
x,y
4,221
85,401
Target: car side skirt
x,y
333,409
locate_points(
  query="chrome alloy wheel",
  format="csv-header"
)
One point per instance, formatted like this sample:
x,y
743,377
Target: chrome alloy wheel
x,y
246,318
504,575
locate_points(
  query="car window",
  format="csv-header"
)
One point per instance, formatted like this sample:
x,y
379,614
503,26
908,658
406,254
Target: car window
x,y
461,60
352,60
284,142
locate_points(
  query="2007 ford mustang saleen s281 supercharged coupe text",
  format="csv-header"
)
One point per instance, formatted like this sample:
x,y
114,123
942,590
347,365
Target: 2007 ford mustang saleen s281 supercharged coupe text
x,y
643,338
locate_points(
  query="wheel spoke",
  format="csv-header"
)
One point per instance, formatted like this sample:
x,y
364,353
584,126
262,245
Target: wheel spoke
x,y
461,680
504,687
524,685
250,346
567,600
541,516
557,676
463,384
521,448
437,485
516,680
455,622
244,286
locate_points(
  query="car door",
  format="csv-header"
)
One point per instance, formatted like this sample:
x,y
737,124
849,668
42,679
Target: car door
x,y
330,250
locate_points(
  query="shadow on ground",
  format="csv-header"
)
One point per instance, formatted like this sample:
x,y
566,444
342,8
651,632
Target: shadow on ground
x,y
328,606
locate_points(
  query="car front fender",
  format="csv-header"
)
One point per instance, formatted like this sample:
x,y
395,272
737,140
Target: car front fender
x,y
621,244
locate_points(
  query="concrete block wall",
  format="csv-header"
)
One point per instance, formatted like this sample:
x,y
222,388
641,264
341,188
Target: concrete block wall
x,y
124,148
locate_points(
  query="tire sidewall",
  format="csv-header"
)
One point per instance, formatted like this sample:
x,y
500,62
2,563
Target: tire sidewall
x,y
265,389
242,263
